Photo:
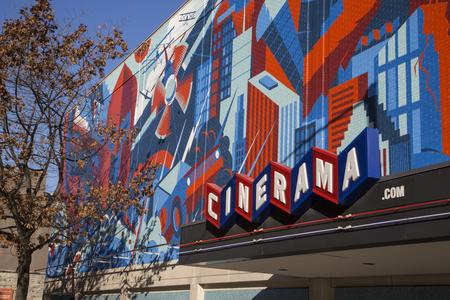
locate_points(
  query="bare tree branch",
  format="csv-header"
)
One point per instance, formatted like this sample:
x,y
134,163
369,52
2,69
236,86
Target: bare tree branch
x,y
45,76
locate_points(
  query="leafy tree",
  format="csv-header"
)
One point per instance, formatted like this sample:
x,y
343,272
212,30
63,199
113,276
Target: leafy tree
x,y
46,72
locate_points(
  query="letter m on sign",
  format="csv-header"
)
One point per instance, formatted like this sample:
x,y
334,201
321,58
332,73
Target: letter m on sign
x,y
325,175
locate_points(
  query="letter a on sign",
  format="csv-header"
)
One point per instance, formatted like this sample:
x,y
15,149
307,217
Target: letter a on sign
x,y
351,169
302,189
359,166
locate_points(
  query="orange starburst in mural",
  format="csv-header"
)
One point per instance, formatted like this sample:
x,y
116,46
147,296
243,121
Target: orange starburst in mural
x,y
171,87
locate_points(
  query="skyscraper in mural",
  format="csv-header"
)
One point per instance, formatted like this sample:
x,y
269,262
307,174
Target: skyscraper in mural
x,y
241,83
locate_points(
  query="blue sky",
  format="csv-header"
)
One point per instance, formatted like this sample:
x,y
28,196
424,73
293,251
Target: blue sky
x,y
137,19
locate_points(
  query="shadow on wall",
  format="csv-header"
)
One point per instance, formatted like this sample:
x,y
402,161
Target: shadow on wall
x,y
221,294
394,292
123,269
258,294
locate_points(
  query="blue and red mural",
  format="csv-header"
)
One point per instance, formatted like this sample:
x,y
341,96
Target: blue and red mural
x,y
226,86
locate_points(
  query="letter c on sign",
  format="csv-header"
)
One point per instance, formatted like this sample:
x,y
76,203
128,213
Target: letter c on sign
x,y
211,198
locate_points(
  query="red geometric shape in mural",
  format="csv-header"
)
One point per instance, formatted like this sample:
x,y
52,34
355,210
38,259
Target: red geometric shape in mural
x,y
259,127
244,15
274,68
294,6
169,88
184,91
163,128
162,158
335,49
376,34
389,27
123,99
364,40
142,51
340,108
258,47
437,24
121,107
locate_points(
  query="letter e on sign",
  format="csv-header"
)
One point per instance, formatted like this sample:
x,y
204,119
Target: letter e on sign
x,y
261,194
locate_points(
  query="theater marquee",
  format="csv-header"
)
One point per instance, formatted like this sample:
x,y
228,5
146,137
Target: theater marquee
x,y
339,179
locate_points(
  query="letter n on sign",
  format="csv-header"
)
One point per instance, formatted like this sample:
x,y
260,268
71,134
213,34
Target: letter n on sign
x,y
244,193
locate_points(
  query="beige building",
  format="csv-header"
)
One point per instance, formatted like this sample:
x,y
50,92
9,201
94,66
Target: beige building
x,y
8,266
8,277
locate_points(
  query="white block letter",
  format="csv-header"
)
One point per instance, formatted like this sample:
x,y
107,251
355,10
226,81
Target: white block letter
x,y
351,169
228,202
279,187
243,197
261,196
302,182
324,175
211,198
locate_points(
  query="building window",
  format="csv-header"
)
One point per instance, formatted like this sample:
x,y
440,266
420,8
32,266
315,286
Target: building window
x,y
416,131
304,139
382,89
401,85
228,34
403,124
402,44
382,56
203,77
415,80
391,49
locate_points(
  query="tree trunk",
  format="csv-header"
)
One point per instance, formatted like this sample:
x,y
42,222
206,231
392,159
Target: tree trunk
x,y
23,272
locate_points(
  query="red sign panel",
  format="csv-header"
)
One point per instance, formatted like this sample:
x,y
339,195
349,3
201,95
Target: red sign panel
x,y
6,294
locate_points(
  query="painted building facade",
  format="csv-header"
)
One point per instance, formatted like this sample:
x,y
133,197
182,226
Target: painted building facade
x,y
228,86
